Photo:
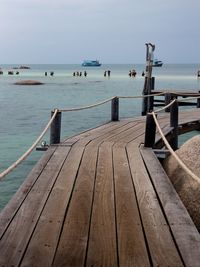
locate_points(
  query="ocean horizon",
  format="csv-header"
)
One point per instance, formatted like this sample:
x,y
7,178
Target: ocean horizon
x,y
25,110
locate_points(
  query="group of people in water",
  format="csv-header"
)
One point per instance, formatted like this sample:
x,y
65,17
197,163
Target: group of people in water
x,y
10,72
79,73
107,72
51,73
133,73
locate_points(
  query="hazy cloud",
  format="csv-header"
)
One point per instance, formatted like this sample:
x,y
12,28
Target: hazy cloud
x,y
112,30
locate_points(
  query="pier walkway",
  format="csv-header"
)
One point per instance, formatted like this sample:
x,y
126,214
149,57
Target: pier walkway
x,y
100,199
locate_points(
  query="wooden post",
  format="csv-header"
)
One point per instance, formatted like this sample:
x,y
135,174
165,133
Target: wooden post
x,y
198,102
152,83
55,129
115,109
174,124
150,99
150,131
144,100
148,83
168,98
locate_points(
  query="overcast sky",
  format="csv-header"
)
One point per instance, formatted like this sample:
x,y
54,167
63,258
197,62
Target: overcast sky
x,y
113,31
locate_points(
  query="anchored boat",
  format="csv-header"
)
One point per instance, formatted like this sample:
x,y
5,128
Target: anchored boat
x,y
91,63
157,63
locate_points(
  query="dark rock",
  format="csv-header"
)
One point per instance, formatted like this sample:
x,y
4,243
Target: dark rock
x,y
28,82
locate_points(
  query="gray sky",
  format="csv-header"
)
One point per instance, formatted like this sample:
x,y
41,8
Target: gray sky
x,y
113,31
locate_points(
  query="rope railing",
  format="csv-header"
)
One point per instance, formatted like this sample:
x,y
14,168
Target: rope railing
x,y
25,155
115,110
150,125
165,107
141,96
179,93
180,162
184,94
106,101
188,99
89,106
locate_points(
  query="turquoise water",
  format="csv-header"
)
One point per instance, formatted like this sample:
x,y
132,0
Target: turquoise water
x,y
25,110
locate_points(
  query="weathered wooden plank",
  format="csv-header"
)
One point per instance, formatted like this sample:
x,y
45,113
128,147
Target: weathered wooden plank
x,y
72,247
133,132
42,246
89,132
92,134
131,240
11,208
67,219
102,247
15,239
104,136
158,236
185,233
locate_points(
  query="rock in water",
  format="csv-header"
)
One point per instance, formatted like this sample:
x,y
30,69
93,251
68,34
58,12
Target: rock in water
x,y
187,187
28,82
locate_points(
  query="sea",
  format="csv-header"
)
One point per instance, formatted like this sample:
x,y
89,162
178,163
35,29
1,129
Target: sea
x,y
25,110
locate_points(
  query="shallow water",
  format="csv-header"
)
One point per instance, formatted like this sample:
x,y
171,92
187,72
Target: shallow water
x,y
25,110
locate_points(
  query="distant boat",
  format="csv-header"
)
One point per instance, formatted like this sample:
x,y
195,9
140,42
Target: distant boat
x,y
91,63
157,63
24,67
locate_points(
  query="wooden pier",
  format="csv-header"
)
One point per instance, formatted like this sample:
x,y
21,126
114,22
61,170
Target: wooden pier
x,y
101,199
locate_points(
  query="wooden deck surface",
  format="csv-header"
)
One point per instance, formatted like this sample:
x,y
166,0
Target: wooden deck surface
x,y
99,199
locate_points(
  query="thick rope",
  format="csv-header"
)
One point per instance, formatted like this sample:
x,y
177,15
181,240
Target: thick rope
x,y
180,93
167,106
141,96
25,155
188,171
184,94
106,101
87,107
188,99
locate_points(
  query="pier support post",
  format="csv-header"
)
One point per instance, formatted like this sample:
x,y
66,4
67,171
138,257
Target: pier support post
x,y
148,102
55,129
150,131
115,109
168,98
174,124
144,99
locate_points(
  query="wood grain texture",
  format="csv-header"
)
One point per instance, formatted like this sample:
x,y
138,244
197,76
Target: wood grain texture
x,y
131,241
15,239
42,246
72,246
102,247
160,241
11,208
185,233
92,201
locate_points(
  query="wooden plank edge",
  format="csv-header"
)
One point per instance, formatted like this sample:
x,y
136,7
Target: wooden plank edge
x,y
188,244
